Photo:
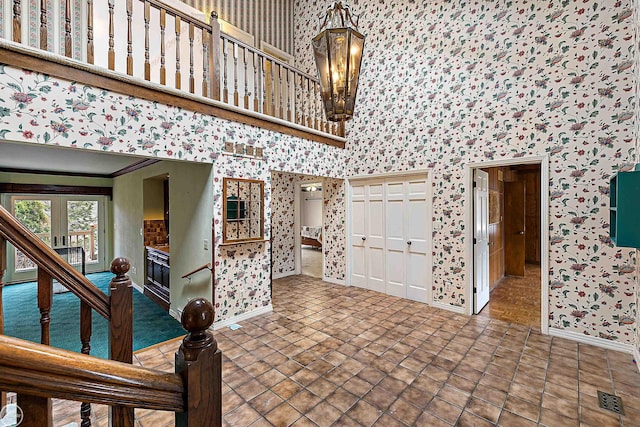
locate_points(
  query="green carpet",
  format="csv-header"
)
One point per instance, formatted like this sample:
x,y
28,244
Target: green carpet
x,y
151,324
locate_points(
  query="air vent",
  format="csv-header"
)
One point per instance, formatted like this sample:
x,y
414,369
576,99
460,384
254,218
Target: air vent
x,y
610,402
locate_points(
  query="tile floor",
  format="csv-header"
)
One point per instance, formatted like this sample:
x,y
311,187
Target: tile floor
x,y
311,261
333,355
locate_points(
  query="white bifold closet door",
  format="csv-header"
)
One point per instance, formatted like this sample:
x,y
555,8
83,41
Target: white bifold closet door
x,y
367,236
390,236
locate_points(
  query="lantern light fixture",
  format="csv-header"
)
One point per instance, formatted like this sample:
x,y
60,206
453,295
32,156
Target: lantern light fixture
x,y
338,54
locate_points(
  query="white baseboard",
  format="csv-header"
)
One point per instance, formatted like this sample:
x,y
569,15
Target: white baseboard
x,y
636,357
176,314
588,339
285,274
244,316
334,281
138,287
449,307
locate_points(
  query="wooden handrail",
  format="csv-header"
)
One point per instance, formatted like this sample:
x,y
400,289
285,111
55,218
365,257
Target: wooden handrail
x,y
295,101
38,372
270,58
44,371
197,270
47,259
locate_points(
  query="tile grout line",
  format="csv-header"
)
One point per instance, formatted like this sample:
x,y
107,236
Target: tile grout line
x,y
458,364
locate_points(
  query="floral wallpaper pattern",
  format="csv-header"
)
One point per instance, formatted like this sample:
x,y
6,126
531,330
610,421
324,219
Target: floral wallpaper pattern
x,y
445,83
334,243
37,109
283,223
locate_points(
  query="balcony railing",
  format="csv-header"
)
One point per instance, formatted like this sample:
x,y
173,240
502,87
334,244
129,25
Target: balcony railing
x,y
153,41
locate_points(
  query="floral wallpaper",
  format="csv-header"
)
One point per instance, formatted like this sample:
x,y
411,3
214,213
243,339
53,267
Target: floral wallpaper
x,y
242,271
283,223
37,109
334,233
445,83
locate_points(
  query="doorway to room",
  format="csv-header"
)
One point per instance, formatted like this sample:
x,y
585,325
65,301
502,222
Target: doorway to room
x,y
509,208
298,209
311,214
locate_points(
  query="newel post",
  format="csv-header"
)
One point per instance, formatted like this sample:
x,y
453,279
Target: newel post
x,y
199,362
121,329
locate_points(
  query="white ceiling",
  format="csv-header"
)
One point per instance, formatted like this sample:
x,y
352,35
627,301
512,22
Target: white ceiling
x,y
45,158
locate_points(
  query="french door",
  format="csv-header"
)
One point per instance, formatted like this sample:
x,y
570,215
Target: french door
x,y
60,222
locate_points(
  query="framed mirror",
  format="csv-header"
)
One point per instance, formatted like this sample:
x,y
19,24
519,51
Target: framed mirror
x,y
243,210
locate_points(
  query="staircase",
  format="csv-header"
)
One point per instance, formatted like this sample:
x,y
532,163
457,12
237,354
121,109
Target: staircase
x,y
38,372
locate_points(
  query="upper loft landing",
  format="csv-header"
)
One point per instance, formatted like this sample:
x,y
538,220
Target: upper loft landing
x,y
153,51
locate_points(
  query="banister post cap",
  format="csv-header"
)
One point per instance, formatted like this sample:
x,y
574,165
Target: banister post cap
x,y
120,266
197,315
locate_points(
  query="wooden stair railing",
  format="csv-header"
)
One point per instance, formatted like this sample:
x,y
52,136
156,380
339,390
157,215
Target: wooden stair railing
x,y
190,54
116,308
194,392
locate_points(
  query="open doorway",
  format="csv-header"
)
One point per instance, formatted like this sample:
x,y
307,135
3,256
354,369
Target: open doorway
x,y
298,224
508,262
311,197
155,210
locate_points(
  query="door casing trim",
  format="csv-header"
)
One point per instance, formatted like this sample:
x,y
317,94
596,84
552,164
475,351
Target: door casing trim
x,y
543,161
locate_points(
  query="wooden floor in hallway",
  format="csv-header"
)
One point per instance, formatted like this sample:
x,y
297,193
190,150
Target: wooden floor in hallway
x,y
517,299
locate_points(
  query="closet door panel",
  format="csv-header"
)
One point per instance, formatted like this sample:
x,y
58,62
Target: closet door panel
x,y
358,236
396,246
375,237
418,239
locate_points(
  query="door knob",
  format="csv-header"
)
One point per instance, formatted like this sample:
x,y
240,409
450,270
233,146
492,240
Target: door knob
x,y
364,238
409,243
521,233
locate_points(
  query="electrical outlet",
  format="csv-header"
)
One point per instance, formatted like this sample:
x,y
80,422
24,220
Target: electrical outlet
x,y
206,244
133,269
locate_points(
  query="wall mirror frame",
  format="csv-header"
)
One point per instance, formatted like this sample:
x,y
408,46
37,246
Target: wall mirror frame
x,y
243,210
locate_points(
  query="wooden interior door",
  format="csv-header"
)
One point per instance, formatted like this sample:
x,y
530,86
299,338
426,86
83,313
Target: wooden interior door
x,y
481,239
514,228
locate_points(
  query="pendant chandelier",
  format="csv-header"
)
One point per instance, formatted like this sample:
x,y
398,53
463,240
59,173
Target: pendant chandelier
x,y
338,53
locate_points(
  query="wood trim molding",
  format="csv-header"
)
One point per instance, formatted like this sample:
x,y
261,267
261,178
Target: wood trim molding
x,y
55,173
31,59
133,167
55,189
